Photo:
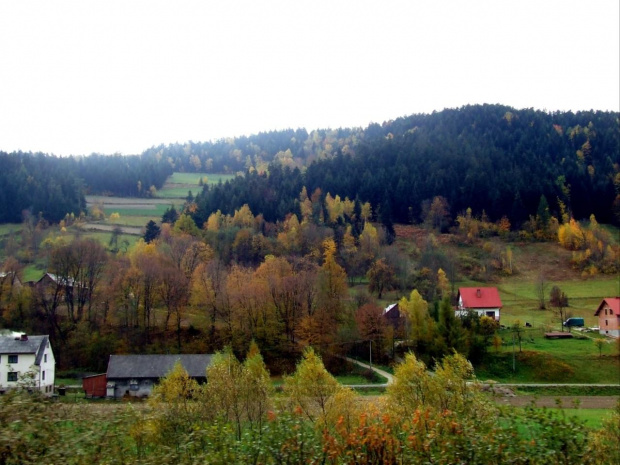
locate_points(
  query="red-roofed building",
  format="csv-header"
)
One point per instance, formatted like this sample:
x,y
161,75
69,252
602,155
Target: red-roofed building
x,y
484,301
608,313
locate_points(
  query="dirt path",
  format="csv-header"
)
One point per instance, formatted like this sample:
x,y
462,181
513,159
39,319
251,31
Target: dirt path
x,y
385,374
584,402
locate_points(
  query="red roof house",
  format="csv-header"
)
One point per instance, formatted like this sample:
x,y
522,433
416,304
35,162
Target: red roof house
x,y
484,301
608,313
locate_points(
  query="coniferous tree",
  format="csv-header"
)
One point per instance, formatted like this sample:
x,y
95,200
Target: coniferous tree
x,y
152,232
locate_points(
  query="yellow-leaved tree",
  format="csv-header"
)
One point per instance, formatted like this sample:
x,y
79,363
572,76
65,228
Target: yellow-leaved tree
x,y
236,392
452,387
317,394
175,408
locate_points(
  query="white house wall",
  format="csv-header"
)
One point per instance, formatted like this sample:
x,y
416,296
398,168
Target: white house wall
x,y
25,363
48,365
479,311
132,388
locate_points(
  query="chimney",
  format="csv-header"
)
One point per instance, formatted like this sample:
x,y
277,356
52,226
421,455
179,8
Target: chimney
x,y
23,337
478,293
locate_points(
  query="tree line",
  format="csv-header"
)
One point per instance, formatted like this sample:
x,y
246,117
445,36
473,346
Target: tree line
x,y
490,158
51,187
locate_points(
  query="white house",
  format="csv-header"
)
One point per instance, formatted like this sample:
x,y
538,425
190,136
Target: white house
x,y
484,301
28,362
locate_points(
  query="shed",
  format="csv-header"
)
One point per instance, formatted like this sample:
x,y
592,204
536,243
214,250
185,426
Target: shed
x,y
95,385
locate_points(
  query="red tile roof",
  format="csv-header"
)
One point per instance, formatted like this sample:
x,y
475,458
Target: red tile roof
x,y
480,297
612,302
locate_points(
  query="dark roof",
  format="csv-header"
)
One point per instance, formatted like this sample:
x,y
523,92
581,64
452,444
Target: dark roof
x,y
31,345
156,366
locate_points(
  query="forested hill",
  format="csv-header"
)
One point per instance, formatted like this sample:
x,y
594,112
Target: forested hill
x,y
54,186
490,157
487,157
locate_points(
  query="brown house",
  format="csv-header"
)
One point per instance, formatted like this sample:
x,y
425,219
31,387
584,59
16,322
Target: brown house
x,y
395,319
608,313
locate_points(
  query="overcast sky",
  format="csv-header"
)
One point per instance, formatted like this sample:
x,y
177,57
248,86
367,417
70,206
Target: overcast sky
x,y
81,76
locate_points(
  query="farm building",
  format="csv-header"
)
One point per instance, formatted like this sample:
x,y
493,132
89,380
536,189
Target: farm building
x,y
135,375
95,385
394,318
484,301
9,281
608,313
27,362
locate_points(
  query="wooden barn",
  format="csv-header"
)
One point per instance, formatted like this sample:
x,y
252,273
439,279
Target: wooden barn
x,y
95,385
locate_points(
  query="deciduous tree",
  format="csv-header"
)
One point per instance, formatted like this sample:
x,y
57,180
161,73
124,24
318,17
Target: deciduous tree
x,y
380,277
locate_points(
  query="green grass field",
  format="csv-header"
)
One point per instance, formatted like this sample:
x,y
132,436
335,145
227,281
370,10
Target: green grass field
x,y
104,238
33,272
132,221
178,192
593,418
8,228
551,361
194,178
154,211
179,184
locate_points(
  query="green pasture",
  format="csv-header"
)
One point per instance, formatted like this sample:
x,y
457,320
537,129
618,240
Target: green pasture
x,y
194,178
33,272
155,210
515,290
179,184
132,221
178,192
592,418
8,228
124,240
544,360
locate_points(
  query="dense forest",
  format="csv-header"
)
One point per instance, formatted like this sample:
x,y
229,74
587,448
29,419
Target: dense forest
x,y
485,157
52,186
490,158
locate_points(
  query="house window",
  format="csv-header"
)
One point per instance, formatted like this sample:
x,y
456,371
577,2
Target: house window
x,y
12,358
12,376
44,358
43,375
605,322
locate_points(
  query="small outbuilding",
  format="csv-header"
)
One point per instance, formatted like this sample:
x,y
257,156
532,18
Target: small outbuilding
x,y
394,317
608,313
95,385
135,375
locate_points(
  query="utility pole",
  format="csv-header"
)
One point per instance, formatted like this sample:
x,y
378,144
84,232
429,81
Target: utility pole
x,y
514,366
